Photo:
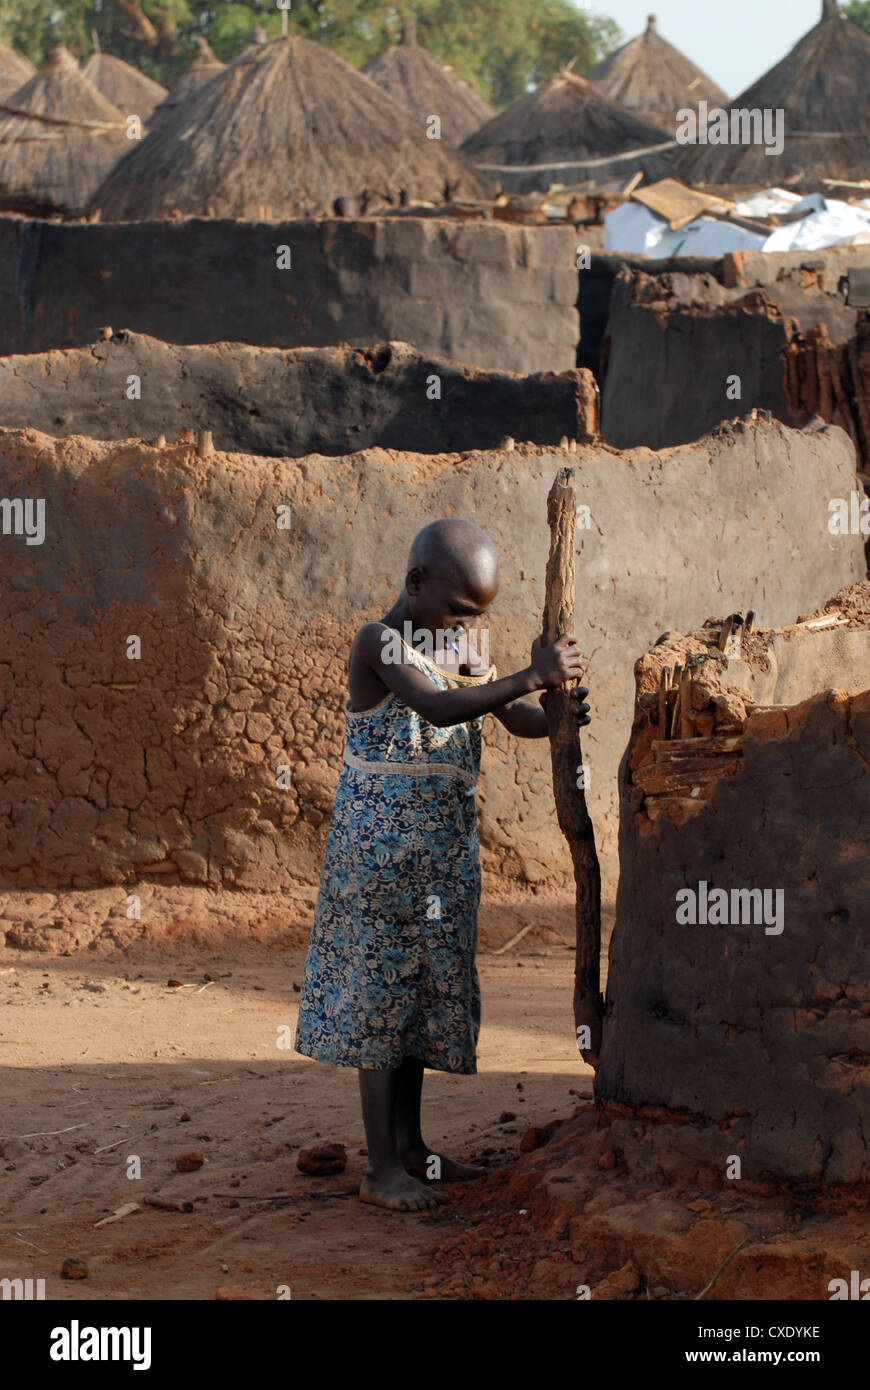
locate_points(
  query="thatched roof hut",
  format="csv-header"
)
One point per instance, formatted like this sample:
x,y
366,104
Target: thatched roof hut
x,y
823,87
59,137
204,67
566,131
129,91
257,39
285,131
650,76
414,76
15,70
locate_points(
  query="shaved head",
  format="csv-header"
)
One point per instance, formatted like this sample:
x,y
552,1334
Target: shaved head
x,y
455,549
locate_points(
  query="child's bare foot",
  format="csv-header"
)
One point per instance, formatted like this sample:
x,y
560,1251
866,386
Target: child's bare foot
x,y
422,1164
398,1191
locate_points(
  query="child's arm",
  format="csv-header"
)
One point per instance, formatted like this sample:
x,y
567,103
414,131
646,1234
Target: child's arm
x,y
525,720
550,666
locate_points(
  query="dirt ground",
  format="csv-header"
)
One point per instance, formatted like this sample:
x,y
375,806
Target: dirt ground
x,y
118,1058
103,1061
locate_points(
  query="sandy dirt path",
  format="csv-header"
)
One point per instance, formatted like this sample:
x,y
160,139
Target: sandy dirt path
x,y
104,1062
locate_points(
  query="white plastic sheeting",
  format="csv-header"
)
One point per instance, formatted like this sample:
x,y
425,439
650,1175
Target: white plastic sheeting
x,y
634,229
828,223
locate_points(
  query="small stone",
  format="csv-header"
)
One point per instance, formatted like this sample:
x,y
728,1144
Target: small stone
x,y
189,1161
322,1159
73,1269
534,1138
506,1116
173,984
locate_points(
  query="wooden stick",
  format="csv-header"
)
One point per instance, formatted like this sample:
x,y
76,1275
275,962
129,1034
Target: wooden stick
x,y
663,702
169,1203
515,939
674,731
686,725
566,757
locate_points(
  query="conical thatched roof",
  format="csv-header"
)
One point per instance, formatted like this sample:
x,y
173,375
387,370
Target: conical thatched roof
x,y
15,70
289,128
257,39
650,76
130,91
204,67
554,134
59,137
823,86
415,77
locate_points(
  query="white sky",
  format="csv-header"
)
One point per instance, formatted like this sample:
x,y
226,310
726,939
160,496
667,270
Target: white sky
x,y
733,42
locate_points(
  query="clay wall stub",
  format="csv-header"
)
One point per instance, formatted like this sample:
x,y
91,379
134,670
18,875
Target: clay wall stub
x,y
755,1025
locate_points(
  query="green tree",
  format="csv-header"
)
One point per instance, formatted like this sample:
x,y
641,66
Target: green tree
x,y
501,47
859,13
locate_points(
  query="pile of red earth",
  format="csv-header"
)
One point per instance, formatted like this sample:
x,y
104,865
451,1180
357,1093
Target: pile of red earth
x,y
606,1208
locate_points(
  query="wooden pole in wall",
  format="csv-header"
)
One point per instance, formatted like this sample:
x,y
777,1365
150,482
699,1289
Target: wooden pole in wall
x,y
567,760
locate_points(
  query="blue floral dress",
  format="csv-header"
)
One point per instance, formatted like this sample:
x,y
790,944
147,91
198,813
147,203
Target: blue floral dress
x,y
390,971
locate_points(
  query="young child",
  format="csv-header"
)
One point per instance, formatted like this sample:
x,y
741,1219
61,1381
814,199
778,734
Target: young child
x,y
390,984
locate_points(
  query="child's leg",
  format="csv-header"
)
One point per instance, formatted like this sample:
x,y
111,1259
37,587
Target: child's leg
x,y
413,1150
387,1183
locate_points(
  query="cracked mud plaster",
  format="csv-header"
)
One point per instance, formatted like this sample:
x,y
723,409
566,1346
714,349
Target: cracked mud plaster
x,y
115,771
765,1037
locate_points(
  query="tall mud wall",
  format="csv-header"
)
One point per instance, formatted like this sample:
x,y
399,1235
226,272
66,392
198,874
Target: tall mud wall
x,y
810,287
677,339
168,763
751,1030
498,296
290,401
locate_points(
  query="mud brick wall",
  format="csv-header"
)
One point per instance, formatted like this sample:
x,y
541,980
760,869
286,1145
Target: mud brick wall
x,y
498,296
764,1036
810,286
596,287
676,334
668,363
290,401
112,768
